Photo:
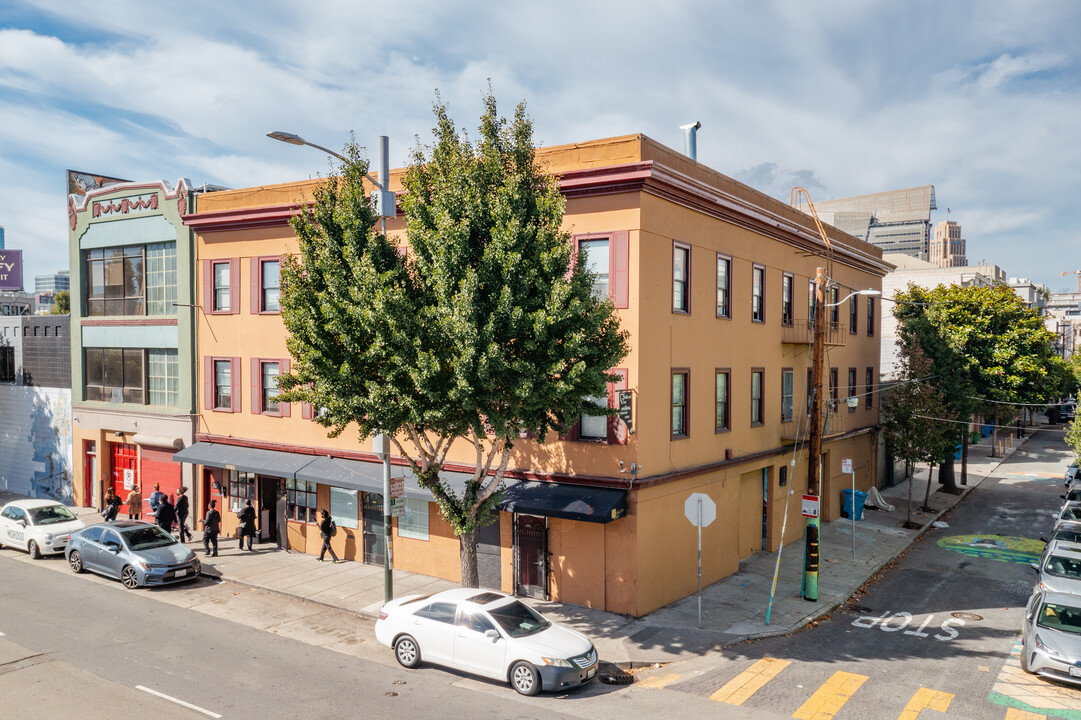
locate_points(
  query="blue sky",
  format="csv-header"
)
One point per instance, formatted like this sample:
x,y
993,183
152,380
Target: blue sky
x,y
981,99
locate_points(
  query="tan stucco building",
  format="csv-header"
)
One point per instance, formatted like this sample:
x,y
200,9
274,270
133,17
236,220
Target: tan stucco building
x,y
710,277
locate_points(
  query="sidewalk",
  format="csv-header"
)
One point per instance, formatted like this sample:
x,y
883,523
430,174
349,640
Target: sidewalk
x,y
733,609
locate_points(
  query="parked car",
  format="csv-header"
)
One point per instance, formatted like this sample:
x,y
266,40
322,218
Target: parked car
x,y
1059,568
1070,512
135,553
41,527
487,633
1066,531
1073,495
1072,472
1051,638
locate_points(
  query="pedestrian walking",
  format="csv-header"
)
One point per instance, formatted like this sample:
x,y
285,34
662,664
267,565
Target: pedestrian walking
x,y
155,499
246,516
327,530
165,515
211,528
135,504
110,506
182,513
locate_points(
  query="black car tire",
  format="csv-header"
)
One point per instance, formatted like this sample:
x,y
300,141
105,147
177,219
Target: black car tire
x,y
525,679
34,550
129,577
406,651
75,560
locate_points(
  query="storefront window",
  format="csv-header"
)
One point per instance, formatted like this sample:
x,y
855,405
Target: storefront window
x,y
300,498
241,488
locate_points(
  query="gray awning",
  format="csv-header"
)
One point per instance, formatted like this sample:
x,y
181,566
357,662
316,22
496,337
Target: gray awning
x,y
352,474
233,457
561,500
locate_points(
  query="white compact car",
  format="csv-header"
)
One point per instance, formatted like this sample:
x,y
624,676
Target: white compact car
x,y
41,527
1051,639
487,633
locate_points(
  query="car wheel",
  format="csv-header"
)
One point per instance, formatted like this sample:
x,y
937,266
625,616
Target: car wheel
x,y
407,651
35,551
75,560
524,678
129,577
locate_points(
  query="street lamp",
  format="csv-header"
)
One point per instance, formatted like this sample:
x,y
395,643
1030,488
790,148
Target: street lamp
x,y
385,206
814,439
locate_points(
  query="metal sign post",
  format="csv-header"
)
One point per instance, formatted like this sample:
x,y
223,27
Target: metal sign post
x,y
846,467
701,511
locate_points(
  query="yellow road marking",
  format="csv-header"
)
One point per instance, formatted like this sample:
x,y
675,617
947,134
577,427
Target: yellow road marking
x,y
1015,714
925,699
830,697
658,681
742,686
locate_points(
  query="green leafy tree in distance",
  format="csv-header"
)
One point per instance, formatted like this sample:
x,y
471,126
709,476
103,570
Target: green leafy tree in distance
x,y
62,304
483,329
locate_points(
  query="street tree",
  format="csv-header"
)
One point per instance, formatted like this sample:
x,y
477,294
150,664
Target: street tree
x,y
483,328
990,354
62,304
918,424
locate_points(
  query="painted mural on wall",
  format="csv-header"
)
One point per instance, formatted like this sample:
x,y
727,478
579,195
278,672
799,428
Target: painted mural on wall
x,y
35,442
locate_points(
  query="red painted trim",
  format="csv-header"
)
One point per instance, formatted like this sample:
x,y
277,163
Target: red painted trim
x,y
208,383
234,374
283,369
234,286
128,322
255,282
243,218
256,385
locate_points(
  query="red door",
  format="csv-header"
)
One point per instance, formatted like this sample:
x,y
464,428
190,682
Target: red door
x,y
125,458
158,468
90,466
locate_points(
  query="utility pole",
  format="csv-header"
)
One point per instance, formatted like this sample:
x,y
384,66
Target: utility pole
x,y
810,531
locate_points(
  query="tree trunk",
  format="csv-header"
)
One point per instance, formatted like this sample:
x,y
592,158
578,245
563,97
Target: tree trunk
x,y
964,456
946,475
467,544
927,493
908,477
994,441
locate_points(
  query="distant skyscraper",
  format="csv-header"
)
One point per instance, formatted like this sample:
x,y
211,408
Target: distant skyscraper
x,y
53,283
898,221
948,247
1,237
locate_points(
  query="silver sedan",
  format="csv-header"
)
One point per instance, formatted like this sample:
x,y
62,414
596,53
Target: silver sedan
x,y
135,553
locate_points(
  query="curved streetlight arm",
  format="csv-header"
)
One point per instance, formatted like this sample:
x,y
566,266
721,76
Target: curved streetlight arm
x,y
858,292
297,140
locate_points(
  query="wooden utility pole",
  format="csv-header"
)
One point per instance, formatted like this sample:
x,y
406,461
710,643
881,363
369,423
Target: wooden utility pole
x,y
814,439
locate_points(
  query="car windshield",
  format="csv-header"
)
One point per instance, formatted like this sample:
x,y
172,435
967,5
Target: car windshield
x,y
1060,566
1060,617
148,537
52,514
1070,536
518,619
1072,513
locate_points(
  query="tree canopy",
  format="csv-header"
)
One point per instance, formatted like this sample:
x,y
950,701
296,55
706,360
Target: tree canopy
x,y
481,328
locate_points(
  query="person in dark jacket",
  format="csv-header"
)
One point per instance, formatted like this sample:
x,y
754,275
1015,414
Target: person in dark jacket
x,y
211,528
111,506
165,514
246,516
326,529
182,514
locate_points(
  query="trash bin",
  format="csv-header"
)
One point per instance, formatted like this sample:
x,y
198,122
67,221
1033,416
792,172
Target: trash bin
x,y
957,451
846,509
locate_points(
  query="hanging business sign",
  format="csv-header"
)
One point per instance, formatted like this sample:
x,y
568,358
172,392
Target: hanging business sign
x,y
11,270
625,409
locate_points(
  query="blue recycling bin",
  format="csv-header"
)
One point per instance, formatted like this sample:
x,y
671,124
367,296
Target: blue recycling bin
x,y
957,451
846,509
985,431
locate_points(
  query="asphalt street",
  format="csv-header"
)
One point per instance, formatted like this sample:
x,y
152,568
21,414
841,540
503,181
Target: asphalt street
x,y
934,631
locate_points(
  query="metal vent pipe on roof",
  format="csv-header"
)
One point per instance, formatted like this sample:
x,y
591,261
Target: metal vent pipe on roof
x,y
690,139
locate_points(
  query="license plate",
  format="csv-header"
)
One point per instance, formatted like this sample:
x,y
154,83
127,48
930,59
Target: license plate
x,y
1075,672
593,671
180,573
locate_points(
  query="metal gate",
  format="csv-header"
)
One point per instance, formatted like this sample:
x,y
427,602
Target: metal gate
x,y
372,516
531,556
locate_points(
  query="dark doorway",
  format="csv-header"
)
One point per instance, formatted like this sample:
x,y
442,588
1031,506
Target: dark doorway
x,y
489,569
531,556
268,509
372,517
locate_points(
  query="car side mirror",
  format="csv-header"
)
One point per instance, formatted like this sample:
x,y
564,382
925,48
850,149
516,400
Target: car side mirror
x,y
1043,539
22,522
491,634
1035,567
115,547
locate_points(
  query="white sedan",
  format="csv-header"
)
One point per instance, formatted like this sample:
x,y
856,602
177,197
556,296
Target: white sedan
x,y
487,633
41,527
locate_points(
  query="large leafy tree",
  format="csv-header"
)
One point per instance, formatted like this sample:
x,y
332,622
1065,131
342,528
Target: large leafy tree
x,y
482,330
917,422
62,306
990,354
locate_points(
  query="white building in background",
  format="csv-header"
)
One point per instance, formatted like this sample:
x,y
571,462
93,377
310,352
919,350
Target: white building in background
x,y
912,271
1062,316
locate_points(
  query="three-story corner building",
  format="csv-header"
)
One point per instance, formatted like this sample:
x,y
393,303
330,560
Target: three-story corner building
x,y
714,282
133,338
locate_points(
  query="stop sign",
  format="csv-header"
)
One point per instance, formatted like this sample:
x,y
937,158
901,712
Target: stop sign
x,y
703,517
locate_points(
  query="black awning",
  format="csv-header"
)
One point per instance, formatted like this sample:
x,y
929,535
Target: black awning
x,y
233,457
570,502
